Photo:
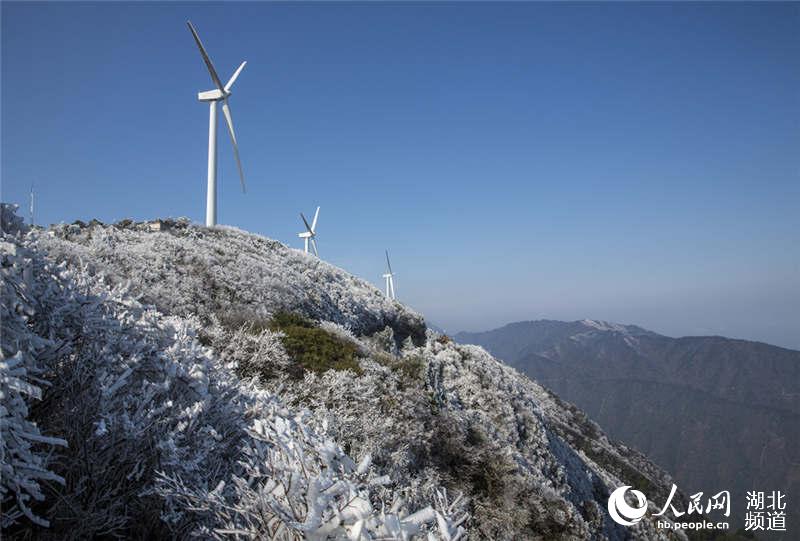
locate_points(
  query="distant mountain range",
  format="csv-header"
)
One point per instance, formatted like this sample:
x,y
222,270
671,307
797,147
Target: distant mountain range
x,y
717,413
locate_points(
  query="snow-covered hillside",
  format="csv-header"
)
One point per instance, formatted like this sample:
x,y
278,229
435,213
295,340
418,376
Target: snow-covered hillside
x,y
188,270
150,391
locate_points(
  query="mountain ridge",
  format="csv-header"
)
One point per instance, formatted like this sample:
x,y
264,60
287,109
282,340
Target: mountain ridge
x,y
175,337
612,327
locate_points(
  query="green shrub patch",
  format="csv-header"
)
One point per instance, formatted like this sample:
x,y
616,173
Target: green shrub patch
x,y
313,348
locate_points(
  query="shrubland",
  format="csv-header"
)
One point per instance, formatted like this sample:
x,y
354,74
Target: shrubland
x,y
208,382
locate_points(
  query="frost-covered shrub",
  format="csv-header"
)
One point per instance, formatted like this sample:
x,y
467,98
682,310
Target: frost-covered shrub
x,y
10,222
237,319
345,333
156,420
383,341
24,450
410,368
328,498
257,354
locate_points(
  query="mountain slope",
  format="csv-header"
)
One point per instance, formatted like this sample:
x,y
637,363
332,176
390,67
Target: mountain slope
x,y
188,404
720,414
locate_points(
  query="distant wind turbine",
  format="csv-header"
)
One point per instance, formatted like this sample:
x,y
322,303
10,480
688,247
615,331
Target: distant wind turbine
x,y
389,278
220,93
310,234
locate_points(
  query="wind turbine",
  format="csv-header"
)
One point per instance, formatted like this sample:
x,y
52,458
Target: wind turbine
x,y
218,94
310,234
389,278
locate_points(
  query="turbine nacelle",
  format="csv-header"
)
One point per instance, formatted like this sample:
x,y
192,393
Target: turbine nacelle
x,y
222,92
212,95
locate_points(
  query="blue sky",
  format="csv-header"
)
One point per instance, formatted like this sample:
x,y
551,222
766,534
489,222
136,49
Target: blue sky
x,y
633,162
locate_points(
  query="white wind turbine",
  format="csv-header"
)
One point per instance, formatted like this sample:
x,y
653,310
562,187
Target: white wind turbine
x,y
310,234
389,278
220,93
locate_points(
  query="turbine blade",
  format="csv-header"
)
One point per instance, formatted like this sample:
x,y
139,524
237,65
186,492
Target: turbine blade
x,y
314,244
232,80
226,110
206,59
308,227
387,262
314,222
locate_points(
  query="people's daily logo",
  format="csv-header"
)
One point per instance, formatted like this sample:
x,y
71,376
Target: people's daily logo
x,y
765,510
621,511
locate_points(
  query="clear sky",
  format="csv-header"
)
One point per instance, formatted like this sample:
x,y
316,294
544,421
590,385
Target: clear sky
x,y
632,162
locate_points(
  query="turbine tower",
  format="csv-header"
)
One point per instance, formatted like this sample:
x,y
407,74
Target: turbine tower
x,y
310,234
218,94
389,278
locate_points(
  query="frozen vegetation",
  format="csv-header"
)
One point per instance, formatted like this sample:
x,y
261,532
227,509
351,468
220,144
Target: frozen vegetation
x,y
213,383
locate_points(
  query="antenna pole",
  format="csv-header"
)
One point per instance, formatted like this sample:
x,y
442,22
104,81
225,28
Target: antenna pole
x,y
32,224
211,193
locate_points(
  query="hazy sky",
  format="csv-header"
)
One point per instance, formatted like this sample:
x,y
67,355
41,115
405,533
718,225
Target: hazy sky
x,y
633,162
